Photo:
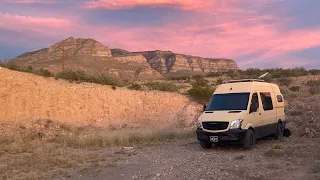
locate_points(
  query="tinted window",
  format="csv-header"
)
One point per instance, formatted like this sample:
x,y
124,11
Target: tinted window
x,y
232,101
266,101
255,98
279,97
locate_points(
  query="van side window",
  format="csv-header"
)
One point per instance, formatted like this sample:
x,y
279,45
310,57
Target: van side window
x,y
255,99
266,101
279,98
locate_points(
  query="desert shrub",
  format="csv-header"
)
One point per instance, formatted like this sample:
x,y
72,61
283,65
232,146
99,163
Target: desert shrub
x,y
135,87
199,81
162,86
178,75
219,81
200,90
316,169
72,76
276,146
314,71
80,76
273,153
215,74
314,86
295,88
201,93
285,81
12,66
41,72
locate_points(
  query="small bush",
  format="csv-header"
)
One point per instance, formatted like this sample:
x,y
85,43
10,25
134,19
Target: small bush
x,y
273,153
199,81
41,72
316,169
276,146
314,71
219,81
285,81
179,75
12,67
314,86
162,86
80,76
201,93
135,87
294,88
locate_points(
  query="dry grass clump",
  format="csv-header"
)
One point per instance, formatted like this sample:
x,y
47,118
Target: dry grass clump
x,y
42,149
162,86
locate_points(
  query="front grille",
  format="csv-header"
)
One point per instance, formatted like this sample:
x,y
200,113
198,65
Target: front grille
x,y
215,125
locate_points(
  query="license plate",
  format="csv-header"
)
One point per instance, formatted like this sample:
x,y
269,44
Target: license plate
x,y
214,138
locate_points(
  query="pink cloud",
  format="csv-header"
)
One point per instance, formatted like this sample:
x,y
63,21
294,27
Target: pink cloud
x,y
125,4
40,25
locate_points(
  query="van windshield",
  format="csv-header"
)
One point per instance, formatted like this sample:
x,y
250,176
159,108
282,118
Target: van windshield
x,y
232,101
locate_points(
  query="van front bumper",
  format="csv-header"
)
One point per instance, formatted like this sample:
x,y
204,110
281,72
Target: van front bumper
x,y
230,135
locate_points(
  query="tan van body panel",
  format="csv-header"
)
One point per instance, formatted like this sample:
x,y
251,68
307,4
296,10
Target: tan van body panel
x,y
264,121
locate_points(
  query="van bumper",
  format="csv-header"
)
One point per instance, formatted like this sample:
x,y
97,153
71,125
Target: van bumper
x,y
230,135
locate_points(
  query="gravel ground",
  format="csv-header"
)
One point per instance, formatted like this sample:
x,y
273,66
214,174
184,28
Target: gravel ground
x,y
292,158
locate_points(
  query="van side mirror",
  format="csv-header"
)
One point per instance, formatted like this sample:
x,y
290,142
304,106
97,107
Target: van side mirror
x,y
204,107
254,107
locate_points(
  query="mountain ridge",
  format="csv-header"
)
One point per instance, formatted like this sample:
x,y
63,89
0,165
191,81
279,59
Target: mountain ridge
x,y
92,56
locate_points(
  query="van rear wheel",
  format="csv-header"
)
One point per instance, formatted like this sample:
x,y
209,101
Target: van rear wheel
x,y
205,144
249,140
279,132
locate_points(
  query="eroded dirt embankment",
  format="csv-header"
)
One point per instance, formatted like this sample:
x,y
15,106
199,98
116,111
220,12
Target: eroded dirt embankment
x,y
27,97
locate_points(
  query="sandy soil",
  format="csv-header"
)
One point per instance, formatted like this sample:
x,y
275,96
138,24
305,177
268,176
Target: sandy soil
x,y
27,97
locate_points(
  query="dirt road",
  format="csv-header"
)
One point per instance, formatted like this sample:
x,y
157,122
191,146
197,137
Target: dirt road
x,y
293,158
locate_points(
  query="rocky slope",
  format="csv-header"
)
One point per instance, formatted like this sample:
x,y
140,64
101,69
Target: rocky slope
x,y
26,97
93,57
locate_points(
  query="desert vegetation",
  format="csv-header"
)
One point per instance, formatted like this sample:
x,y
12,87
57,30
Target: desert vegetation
x,y
43,148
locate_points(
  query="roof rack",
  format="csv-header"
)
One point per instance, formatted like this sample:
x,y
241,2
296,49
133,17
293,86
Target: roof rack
x,y
243,80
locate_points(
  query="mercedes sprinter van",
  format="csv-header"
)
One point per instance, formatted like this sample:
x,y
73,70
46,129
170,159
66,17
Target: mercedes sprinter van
x,y
243,111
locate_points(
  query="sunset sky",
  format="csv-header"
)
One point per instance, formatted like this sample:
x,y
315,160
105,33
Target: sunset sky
x,y
255,33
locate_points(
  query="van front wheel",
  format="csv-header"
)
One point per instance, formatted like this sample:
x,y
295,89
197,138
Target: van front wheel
x,y
249,140
205,144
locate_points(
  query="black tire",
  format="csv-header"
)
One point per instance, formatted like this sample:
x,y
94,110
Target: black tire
x,y
205,144
279,131
249,140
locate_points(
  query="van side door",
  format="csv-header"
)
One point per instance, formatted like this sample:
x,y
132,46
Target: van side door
x,y
255,117
268,113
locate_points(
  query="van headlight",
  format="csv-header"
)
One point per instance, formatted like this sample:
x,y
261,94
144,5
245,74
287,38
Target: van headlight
x,y
199,124
236,124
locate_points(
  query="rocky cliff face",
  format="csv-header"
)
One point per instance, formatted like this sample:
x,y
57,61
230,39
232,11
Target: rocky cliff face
x,y
167,61
73,47
90,56
93,57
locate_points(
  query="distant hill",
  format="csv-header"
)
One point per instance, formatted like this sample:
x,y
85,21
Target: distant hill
x,y
93,57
